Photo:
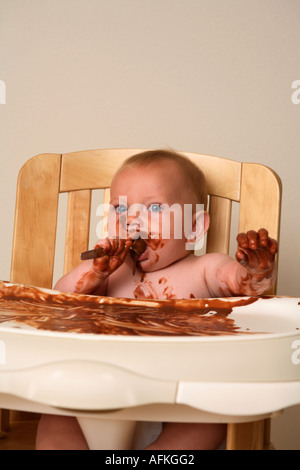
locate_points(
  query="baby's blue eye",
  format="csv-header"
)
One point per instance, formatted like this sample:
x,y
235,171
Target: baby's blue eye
x,y
121,209
155,208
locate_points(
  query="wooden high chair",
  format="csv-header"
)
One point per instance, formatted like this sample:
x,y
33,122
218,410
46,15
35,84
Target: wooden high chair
x,y
255,187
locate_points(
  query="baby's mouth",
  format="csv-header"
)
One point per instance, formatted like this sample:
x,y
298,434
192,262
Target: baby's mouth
x,y
144,255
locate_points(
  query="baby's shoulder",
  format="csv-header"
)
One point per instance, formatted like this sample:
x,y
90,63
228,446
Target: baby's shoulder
x,y
208,259
207,264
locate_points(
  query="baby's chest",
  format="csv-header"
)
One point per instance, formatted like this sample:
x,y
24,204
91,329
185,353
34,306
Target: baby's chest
x,y
150,286
159,285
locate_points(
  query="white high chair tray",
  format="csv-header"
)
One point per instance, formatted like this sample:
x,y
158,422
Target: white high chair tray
x,y
236,358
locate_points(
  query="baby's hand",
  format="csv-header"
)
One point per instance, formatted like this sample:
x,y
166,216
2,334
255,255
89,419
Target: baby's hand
x,y
256,250
115,251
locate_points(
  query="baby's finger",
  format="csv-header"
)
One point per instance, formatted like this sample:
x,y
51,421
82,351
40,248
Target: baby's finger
x,y
128,243
104,244
252,239
247,257
263,237
123,246
242,240
113,246
240,256
118,246
273,246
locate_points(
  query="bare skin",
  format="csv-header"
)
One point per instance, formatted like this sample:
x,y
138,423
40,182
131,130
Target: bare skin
x,y
166,270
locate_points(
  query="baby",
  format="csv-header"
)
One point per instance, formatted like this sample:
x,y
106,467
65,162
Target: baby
x,y
161,186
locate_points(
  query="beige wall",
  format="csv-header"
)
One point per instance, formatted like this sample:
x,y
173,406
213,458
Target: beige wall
x,y
209,76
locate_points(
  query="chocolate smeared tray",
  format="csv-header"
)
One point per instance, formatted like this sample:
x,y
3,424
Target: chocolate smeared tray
x,y
26,306
85,352
31,307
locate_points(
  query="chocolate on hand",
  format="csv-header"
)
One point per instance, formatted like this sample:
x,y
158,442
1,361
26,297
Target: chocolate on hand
x,y
137,248
256,250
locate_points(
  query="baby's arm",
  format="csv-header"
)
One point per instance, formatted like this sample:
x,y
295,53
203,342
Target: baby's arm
x,y
91,276
253,272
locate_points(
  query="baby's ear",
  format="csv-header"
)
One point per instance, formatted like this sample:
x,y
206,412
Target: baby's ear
x,y
195,239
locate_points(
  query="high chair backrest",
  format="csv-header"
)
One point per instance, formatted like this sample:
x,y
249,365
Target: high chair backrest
x,y
255,187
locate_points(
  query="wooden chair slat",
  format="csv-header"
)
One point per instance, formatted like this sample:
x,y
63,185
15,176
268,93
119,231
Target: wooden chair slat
x,y
78,226
35,221
218,237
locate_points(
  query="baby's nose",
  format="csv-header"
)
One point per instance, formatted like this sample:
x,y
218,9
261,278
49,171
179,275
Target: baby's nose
x,y
138,222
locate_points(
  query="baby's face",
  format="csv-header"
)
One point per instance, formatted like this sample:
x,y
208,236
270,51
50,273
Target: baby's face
x,y
141,198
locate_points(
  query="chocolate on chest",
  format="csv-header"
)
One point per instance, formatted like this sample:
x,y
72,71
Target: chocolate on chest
x,y
150,286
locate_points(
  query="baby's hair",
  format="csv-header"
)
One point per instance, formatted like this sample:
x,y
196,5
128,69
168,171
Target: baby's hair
x,y
192,173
